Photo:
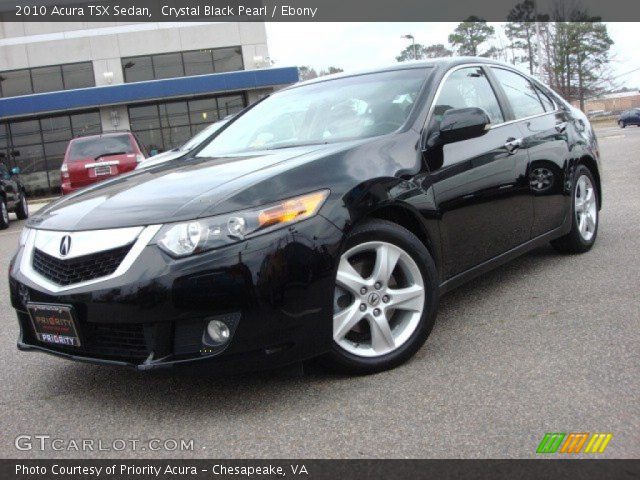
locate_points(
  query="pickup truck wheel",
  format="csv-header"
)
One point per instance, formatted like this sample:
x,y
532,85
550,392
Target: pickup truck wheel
x,y
22,210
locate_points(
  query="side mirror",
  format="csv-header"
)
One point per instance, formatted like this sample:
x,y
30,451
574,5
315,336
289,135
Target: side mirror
x,y
463,124
15,171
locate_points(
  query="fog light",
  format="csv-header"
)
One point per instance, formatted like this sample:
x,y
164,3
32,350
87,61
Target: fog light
x,y
218,331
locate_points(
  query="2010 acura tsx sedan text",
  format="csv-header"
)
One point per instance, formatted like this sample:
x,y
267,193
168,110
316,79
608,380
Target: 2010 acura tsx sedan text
x,y
325,220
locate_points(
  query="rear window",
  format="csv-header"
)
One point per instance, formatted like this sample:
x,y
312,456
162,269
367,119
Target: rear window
x,y
96,147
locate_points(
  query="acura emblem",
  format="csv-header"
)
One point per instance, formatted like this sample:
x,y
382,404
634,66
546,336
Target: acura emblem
x,y
65,245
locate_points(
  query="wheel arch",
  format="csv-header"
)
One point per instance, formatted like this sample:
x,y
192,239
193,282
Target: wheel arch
x,y
407,218
592,165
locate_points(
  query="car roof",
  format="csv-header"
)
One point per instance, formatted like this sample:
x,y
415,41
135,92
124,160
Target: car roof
x,y
443,63
104,134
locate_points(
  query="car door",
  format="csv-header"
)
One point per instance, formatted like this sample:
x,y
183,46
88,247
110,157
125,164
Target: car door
x,y
479,184
545,139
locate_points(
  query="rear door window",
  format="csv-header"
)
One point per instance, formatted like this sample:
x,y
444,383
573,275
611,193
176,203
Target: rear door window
x,y
520,92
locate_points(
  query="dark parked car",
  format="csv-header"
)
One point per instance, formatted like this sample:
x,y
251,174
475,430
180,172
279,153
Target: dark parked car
x,y
13,197
325,220
96,158
629,117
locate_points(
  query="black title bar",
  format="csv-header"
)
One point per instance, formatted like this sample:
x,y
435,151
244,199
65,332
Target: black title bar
x,y
309,10
319,469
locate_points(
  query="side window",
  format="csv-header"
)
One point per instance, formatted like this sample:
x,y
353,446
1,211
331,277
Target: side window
x,y
522,96
467,87
549,106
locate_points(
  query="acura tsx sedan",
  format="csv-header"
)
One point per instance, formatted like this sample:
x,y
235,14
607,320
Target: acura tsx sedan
x,y
323,221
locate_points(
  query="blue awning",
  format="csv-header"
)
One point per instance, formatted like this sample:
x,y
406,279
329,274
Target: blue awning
x,y
137,92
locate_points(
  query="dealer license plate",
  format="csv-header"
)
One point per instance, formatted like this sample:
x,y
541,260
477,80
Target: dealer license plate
x,y
54,324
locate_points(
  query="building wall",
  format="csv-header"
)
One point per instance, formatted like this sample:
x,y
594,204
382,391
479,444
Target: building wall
x,y
613,104
33,44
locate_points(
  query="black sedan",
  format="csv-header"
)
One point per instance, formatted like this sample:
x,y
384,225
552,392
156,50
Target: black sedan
x,y
325,220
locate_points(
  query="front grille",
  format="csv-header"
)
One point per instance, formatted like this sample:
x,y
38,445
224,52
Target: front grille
x,y
80,269
115,340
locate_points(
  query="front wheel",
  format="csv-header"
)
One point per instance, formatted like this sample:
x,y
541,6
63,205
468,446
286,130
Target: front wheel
x,y
585,215
4,214
22,210
622,124
385,299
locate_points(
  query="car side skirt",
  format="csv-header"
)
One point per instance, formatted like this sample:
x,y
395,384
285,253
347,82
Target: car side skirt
x,y
505,257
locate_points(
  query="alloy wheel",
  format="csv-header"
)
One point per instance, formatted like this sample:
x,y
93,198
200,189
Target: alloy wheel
x,y
586,209
379,299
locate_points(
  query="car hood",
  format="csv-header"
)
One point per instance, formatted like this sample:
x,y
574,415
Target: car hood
x,y
170,192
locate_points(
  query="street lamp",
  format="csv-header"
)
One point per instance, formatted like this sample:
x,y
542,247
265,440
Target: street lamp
x,y
408,36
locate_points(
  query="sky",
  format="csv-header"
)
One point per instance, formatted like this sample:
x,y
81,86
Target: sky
x,y
356,46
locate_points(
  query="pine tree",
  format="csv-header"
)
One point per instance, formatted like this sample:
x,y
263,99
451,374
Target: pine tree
x,y
469,35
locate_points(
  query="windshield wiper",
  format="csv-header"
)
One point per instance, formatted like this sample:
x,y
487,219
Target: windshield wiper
x,y
108,155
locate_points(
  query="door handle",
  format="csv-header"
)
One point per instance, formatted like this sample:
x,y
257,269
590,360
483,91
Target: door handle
x,y
561,127
513,144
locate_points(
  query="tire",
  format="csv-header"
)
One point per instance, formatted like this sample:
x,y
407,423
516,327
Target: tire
x,y
621,123
355,350
22,210
582,235
4,214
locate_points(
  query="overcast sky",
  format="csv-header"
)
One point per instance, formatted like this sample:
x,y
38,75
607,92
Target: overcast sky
x,y
354,46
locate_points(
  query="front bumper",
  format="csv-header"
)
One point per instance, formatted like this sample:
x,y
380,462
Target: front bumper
x,y
275,291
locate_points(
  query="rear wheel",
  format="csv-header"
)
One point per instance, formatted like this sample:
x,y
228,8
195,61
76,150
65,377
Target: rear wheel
x,y
22,210
585,215
385,299
4,214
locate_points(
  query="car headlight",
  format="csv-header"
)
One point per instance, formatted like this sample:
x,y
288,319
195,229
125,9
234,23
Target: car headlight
x,y
182,239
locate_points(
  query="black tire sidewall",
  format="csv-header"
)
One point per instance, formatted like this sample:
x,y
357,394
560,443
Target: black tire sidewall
x,y
22,211
381,230
3,224
586,244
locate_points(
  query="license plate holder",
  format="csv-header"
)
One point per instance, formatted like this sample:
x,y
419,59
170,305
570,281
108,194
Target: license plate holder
x,y
102,170
54,324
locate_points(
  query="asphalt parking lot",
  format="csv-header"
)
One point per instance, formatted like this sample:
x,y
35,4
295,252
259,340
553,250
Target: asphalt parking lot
x,y
547,343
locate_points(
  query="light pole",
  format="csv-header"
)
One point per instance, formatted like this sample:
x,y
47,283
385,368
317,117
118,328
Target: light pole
x,y
413,43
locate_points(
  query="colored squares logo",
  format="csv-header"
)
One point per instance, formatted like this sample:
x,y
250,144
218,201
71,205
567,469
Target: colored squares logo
x,y
574,443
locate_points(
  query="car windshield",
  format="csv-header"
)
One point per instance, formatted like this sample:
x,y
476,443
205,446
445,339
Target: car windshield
x,y
94,147
202,135
325,112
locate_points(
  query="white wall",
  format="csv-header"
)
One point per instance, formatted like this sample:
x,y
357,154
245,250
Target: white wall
x,y
33,44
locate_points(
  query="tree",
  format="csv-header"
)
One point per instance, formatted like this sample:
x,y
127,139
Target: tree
x,y
437,50
577,56
307,73
330,71
421,52
412,52
521,31
469,35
